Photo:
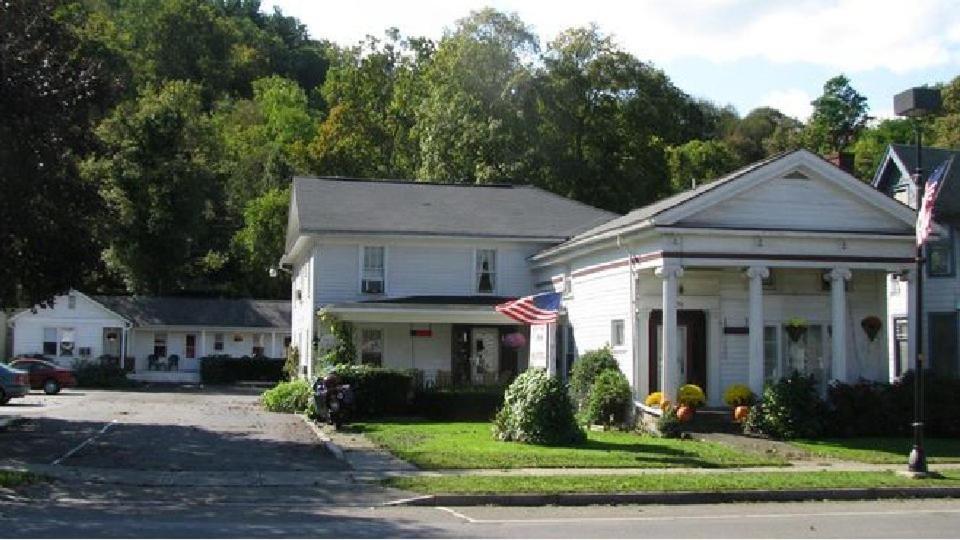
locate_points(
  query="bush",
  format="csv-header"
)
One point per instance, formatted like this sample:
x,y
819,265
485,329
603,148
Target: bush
x,y
378,391
654,399
288,397
537,409
691,395
739,394
585,371
226,370
478,403
96,375
609,400
291,366
790,408
669,425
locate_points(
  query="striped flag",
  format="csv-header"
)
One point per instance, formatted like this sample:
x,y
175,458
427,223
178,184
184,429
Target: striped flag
x,y
930,192
537,309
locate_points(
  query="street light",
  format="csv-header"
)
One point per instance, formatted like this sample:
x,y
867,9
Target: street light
x,y
917,103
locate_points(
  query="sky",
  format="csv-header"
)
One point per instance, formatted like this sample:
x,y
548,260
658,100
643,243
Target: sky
x,y
746,53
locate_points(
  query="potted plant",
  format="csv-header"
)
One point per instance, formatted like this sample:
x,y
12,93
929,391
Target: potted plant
x,y
740,397
796,328
689,396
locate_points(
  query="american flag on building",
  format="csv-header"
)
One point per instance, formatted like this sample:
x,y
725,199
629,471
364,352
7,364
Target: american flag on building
x,y
536,309
930,192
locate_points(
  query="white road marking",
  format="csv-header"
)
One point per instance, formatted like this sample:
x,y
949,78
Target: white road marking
x,y
80,446
469,519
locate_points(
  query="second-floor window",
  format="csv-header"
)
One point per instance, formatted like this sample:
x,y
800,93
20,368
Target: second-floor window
x,y
486,270
372,273
940,257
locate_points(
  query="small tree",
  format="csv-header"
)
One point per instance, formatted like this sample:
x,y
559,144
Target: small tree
x,y
585,371
537,409
609,399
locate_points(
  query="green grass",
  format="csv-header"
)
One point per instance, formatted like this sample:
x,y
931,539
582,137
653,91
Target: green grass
x,y
739,481
881,449
470,445
12,479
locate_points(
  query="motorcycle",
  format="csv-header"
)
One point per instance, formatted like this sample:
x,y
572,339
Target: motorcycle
x,y
334,401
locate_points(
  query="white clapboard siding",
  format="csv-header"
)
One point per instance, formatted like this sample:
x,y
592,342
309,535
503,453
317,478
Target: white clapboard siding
x,y
87,318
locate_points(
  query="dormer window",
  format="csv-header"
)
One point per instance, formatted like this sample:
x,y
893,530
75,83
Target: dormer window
x,y
486,271
372,273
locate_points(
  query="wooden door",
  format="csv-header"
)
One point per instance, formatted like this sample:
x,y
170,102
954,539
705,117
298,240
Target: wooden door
x,y
692,338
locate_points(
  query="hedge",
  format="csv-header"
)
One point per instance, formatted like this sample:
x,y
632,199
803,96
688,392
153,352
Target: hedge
x,y
379,392
226,370
477,403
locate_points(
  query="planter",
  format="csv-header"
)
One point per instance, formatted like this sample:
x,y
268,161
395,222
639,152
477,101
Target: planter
x,y
685,413
740,413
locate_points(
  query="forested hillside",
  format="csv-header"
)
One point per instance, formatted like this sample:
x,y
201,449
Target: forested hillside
x,y
147,146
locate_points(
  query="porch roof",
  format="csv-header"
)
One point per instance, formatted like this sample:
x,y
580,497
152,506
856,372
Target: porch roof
x,y
423,309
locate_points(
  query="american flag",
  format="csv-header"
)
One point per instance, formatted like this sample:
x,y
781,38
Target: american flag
x,y
930,192
536,309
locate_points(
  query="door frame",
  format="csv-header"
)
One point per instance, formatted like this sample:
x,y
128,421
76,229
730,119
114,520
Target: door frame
x,y
697,337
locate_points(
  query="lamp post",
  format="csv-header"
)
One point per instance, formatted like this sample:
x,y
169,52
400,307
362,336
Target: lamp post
x,y
917,103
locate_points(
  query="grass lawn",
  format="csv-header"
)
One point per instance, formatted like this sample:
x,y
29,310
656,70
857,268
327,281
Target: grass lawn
x,y
662,482
882,449
12,479
470,445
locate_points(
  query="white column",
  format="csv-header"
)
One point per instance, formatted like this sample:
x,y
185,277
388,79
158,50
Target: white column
x,y
670,369
123,347
838,294
756,274
273,345
203,343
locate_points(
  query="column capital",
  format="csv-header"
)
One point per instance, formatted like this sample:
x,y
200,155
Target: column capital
x,y
668,271
757,272
838,274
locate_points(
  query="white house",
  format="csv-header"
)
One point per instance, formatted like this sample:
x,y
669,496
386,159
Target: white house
x,y
710,277
941,285
161,339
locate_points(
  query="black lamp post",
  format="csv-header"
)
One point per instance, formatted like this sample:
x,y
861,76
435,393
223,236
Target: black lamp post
x,y
917,103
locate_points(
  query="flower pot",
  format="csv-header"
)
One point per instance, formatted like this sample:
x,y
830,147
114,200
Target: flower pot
x,y
740,413
871,326
685,413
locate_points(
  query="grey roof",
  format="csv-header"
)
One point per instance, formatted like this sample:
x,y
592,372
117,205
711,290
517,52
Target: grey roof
x,y
947,206
217,312
345,205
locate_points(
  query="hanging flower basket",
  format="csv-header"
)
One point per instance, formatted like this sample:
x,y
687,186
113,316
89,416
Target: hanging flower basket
x,y
871,326
796,328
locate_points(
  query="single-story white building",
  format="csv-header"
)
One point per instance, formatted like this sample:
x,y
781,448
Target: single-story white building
x,y
160,339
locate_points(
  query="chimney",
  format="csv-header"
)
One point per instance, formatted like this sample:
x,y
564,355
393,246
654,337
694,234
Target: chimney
x,y
844,160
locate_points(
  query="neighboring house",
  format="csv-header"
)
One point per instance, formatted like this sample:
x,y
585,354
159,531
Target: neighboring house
x,y
711,277
161,339
941,284
417,267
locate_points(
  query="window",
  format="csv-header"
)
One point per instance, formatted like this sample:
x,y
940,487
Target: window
x,y
286,345
486,270
72,301
85,352
257,349
190,346
616,333
771,354
371,275
943,343
803,352
160,344
940,257
901,338
371,346
50,341
218,341
67,341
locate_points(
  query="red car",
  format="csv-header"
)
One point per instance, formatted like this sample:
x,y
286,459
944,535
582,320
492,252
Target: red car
x,y
44,375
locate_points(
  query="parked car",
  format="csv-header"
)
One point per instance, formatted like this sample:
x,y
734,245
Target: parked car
x,y
45,375
13,383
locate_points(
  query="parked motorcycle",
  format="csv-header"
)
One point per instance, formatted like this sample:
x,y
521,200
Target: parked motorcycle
x,y
334,401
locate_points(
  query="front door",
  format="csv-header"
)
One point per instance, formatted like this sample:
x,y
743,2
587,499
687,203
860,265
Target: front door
x,y
692,342
485,354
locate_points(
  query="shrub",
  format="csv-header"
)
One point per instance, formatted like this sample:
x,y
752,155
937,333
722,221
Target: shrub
x,y
790,408
609,399
654,399
459,403
738,394
585,371
691,395
291,367
669,425
226,370
97,375
288,397
378,391
537,409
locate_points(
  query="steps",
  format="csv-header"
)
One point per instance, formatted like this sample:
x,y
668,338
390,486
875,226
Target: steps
x,y
713,420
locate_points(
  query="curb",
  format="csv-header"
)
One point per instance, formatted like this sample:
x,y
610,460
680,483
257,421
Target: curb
x,y
8,421
331,446
680,497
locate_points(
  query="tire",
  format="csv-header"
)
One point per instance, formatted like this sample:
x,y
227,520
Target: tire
x,y
51,387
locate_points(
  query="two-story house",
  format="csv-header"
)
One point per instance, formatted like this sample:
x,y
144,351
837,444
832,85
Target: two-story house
x,y
780,266
941,285
417,267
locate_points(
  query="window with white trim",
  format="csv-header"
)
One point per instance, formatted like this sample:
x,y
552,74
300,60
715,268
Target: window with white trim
x,y
218,341
160,344
190,346
371,346
372,272
67,341
258,348
486,270
50,341
617,333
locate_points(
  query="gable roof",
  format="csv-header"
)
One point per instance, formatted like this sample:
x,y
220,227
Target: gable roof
x,y
216,312
904,158
357,206
671,209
